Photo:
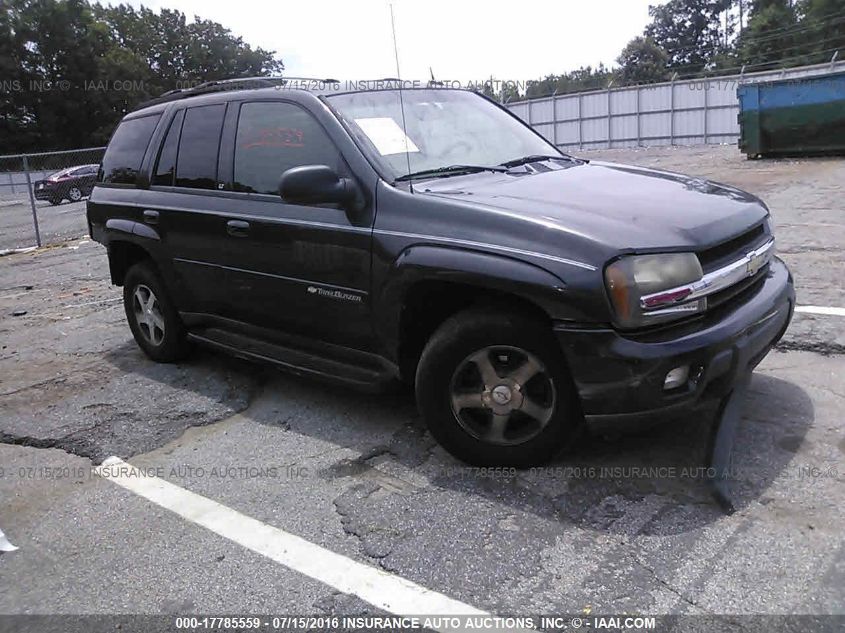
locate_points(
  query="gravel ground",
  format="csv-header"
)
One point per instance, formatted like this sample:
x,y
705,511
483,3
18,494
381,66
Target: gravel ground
x,y
56,223
361,477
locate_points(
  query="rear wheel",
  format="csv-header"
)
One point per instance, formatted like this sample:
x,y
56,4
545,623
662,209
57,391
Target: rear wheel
x,y
74,194
494,390
152,317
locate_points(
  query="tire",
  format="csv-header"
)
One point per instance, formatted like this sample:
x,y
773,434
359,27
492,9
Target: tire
x,y
449,375
158,330
74,194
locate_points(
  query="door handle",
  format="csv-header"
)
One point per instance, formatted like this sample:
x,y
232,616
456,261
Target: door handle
x,y
150,216
237,228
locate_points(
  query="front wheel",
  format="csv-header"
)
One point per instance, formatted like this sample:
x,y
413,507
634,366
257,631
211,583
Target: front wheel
x,y
152,317
494,390
74,194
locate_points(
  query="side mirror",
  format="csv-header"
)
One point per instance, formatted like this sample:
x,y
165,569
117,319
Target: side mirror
x,y
317,184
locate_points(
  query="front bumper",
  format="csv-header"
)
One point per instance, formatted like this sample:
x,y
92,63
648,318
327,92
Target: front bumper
x,y
620,377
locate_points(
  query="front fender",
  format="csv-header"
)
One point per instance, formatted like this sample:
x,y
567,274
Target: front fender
x,y
497,273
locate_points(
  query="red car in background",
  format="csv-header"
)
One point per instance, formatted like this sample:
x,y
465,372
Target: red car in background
x,y
73,183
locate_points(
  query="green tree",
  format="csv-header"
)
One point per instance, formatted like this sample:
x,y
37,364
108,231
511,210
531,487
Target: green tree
x,y
642,61
580,80
72,69
822,29
509,92
691,32
771,32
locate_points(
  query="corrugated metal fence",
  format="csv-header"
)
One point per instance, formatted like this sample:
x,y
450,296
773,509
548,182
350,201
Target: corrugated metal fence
x,y
687,112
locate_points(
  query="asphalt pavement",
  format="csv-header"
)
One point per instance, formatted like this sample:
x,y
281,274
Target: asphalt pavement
x,y
620,523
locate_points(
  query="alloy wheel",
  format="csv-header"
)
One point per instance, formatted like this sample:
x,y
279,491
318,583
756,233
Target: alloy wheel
x,y
148,314
502,395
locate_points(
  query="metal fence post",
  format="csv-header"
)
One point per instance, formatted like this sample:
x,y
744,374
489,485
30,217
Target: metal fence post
x,y
554,118
609,120
672,111
639,134
31,201
580,121
706,105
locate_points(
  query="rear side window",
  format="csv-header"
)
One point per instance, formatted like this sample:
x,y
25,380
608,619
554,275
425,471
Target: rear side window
x,y
273,137
196,165
125,152
166,166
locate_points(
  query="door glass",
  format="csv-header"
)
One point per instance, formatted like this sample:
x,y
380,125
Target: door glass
x,y
196,165
126,149
166,168
273,137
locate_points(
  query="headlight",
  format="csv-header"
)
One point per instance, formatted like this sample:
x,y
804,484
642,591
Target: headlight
x,y
630,279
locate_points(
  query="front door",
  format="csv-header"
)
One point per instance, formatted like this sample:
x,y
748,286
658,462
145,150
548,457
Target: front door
x,y
300,269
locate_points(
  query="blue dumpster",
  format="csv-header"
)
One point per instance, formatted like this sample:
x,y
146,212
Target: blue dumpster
x,y
793,117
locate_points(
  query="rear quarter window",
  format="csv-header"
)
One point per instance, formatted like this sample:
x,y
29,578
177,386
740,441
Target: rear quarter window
x,y
126,149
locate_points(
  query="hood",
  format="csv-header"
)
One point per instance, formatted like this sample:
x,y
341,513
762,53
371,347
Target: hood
x,y
621,207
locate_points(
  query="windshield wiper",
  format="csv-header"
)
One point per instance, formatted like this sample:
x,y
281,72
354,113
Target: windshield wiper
x,y
536,158
452,170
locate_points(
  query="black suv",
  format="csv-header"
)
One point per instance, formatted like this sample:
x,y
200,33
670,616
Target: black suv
x,y
430,236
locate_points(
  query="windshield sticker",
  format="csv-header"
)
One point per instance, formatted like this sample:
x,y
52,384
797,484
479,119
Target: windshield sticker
x,y
386,135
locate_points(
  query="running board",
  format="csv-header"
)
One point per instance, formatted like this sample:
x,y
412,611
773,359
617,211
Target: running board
x,y
367,377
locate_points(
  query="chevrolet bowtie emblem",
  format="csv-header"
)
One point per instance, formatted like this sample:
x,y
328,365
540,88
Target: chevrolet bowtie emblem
x,y
755,263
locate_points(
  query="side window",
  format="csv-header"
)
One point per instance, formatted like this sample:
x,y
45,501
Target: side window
x,y
196,165
166,166
273,137
125,152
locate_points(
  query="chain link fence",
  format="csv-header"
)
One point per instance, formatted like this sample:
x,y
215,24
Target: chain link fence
x,y
42,196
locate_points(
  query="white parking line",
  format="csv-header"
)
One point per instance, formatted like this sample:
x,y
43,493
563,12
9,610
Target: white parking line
x,y
380,588
821,310
5,545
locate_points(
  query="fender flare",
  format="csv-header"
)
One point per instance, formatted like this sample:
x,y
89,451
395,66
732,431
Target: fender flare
x,y
480,269
130,230
123,231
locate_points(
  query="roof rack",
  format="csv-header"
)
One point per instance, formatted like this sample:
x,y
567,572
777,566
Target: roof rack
x,y
222,85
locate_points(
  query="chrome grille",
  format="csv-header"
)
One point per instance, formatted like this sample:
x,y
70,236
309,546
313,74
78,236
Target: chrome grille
x,y
743,267
730,250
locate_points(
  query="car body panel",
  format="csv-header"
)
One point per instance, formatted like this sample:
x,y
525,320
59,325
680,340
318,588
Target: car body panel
x,y
620,207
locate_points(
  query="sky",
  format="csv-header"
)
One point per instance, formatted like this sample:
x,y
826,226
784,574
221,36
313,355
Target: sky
x,y
463,40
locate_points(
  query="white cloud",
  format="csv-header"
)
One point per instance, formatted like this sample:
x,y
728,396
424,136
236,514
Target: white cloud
x,y
463,40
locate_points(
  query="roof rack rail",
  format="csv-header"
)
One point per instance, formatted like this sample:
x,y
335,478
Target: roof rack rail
x,y
221,85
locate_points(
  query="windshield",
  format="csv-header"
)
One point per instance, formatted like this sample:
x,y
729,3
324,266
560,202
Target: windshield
x,y
444,128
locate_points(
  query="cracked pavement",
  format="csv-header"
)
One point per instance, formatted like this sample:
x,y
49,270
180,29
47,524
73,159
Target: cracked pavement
x,y
618,524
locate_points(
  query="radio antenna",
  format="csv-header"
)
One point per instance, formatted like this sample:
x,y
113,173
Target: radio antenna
x,y
401,100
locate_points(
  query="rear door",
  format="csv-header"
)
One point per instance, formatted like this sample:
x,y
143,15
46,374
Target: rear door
x,y
185,206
